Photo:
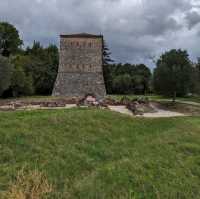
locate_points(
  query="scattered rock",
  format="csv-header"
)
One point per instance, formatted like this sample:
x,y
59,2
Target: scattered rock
x,y
89,100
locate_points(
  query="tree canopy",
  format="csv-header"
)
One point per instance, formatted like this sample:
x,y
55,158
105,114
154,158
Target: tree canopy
x,y
172,76
9,39
128,79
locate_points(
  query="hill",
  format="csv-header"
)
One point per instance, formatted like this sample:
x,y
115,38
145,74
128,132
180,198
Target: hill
x,y
91,153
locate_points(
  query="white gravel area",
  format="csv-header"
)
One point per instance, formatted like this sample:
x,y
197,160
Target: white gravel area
x,y
121,109
159,113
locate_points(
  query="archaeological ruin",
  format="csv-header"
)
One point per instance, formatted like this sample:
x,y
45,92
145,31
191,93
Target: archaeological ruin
x,y
80,70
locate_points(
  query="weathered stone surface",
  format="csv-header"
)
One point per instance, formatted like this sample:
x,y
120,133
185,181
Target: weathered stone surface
x,y
80,70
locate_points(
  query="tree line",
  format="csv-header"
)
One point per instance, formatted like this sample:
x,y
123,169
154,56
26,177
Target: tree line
x,y
32,71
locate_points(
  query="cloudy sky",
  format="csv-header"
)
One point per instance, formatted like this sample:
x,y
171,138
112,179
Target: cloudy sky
x,y
135,30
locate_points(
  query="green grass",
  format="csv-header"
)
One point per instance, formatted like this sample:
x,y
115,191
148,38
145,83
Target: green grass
x,y
131,97
89,153
157,98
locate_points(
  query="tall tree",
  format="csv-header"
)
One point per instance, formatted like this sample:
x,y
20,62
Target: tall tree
x,y
43,66
106,55
172,76
142,80
106,69
6,69
9,39
196,77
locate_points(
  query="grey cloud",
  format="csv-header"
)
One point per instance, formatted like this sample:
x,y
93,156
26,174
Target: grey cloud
x,y
193,18
134,29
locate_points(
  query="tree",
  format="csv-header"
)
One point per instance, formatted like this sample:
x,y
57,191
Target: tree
x,y
106,55
106,68
43,67
122,84
9,39
196,77
172,76
142,77
21,81
6,69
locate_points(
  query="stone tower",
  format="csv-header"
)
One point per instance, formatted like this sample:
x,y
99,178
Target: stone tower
x,y
80,70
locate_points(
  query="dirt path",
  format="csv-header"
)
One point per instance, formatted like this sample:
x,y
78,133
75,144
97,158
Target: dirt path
x,y
161,113
157,114
121,109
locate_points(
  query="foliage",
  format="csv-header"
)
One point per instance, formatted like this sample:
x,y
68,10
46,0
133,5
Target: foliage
x,y
106,55
34,70
44,67
9,39
122,83
21,81
89,153
196,78
6,69
172,76
128,79
106,67
21,84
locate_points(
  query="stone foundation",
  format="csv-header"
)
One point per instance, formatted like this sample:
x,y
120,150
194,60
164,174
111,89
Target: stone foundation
x,y
79,85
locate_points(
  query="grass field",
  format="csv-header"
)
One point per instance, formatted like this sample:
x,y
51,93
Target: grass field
x,y
97,154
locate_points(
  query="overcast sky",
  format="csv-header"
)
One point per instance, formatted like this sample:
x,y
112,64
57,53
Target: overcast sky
x,y
135,30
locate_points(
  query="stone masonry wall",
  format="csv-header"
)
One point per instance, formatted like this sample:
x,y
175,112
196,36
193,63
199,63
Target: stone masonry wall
x,y
80,69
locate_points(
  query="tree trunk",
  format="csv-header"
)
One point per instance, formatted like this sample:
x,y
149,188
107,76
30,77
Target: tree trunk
x,y
174,97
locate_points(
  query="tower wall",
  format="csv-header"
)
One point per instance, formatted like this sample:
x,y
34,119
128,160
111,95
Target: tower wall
x,y
80,69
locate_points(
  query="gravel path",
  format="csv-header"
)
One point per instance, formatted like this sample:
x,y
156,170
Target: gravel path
x,y
121,109
157,114
161,113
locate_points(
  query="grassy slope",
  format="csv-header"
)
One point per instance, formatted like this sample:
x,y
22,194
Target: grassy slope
x,y
101,154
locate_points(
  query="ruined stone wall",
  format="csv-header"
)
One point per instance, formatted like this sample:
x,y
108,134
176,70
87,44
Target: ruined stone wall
x,y
80,69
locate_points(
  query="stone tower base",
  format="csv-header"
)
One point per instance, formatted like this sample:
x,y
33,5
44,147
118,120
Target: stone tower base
x,y
79,85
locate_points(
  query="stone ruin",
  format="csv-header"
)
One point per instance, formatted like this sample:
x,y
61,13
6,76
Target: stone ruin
x,y
80,70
